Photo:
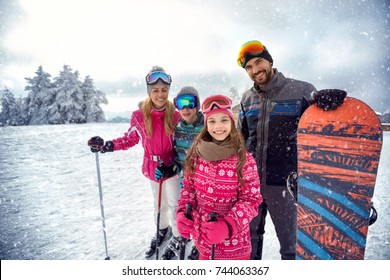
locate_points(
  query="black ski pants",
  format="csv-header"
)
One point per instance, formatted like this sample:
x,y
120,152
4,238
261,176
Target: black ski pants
x,y
282,209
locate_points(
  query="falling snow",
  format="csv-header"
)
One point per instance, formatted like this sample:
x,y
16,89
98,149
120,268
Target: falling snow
x,y
49,199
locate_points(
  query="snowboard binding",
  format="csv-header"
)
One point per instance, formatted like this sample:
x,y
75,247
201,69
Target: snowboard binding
x,y
292,185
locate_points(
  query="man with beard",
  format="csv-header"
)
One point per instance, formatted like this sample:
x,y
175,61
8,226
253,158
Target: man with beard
x,y
268,120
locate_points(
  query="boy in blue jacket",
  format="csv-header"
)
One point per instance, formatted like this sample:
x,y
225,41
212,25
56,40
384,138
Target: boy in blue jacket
x,y
187,102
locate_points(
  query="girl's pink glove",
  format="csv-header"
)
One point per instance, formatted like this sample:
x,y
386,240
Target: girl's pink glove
x,y
184,225
215,232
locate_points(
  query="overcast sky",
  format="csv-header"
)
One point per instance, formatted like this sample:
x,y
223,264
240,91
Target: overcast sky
x,y
332,44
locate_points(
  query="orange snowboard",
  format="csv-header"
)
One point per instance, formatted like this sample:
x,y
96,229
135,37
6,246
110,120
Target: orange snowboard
x,y
338,157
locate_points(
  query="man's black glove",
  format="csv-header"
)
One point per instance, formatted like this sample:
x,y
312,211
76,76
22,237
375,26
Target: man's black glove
x,y
96,144
330,99
165,171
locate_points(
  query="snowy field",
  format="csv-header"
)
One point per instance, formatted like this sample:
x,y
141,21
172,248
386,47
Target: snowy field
x,y
49,199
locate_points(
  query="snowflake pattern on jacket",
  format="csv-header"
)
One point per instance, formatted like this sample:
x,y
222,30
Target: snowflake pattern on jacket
x,y
214,188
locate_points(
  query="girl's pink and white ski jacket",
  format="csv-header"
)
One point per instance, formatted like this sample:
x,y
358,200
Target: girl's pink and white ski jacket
x,y
214,188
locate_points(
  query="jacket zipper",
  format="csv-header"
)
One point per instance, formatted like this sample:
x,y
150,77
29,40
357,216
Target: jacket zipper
x,y
262,133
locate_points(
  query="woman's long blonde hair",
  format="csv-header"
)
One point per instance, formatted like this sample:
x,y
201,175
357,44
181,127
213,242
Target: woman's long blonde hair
x,y
238,144
169,123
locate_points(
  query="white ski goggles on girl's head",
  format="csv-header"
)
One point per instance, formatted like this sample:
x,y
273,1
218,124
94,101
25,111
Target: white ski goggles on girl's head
x,y
216,101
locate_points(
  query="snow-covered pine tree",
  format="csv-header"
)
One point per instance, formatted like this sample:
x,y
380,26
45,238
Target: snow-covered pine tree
x,y
11,109
69,98
235,96
40,97
92,100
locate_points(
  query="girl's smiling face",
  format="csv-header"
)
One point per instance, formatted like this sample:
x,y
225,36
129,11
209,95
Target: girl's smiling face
x,y
219,126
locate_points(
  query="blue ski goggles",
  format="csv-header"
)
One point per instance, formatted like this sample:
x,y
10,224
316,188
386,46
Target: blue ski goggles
x,y
185,101
153,78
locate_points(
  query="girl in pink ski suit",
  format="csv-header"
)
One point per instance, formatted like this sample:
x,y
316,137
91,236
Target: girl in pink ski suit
x,y
221,177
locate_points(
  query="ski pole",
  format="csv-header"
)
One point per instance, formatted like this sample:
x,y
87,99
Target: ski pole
x,y
158,212
261,230
213,218
187,214
101,203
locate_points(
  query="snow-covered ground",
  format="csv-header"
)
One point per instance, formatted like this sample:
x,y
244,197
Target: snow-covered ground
x,y
49,199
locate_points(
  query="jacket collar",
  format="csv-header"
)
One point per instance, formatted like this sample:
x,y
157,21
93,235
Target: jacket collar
x,y
273,86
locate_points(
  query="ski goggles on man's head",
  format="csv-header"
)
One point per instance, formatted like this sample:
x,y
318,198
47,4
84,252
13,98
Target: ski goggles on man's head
x,y
216,101
252,48
153,78
185,101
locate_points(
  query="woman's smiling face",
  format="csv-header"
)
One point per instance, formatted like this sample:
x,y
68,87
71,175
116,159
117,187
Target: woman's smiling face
x,y
159,95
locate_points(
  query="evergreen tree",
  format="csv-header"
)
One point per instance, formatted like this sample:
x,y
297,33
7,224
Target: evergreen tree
x,y
39,98
235,96
69,99
2,111
21,103
10,110
92,100
65,100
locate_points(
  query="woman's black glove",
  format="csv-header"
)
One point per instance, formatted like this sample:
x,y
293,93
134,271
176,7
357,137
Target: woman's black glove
x,y
108,147
165,171
330,99
96,144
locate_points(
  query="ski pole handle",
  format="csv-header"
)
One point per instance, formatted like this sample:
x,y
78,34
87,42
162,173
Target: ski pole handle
x,y
187,214
213,218
184,241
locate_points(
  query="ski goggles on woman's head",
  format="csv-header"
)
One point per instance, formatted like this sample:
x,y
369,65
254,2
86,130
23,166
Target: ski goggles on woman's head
x,y
216,101
185,101
153,78
251,47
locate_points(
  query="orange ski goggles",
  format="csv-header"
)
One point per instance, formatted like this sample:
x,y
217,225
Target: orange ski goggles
x,y
251,48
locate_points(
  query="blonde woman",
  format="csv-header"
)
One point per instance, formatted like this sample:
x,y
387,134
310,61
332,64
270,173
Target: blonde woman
x,y
153,125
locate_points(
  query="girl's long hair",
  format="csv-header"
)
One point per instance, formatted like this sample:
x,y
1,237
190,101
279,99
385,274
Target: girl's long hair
x,y
169,124
237,142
